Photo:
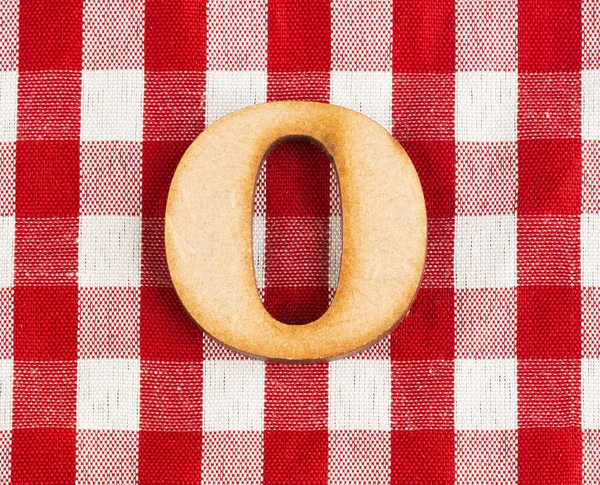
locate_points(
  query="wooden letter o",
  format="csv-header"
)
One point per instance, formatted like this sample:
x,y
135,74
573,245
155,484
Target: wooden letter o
x,y
208,231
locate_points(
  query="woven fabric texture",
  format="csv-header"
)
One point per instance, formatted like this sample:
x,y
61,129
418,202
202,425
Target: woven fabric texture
x,y
493,378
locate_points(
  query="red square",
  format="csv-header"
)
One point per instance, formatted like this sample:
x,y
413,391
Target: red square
x,y
424,36
551,456
549,322
549,393
549,177
422,395
359,457
45,394
154,259
299,36
166,330
46,251
550,106
487,36
50,35
237,39
439,266
422,457
299,175
160,159
43,456
171,396
45,325
298,86
108,326
9,54
549,35
297,305
435,162
174,105
548,251
591,455
49,105
107,455
170,458
47,178
361,36
487,456
423,107
175,35
294,457
303,389
427,332
486,178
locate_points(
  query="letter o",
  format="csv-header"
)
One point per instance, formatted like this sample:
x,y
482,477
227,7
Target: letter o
x,y
208,231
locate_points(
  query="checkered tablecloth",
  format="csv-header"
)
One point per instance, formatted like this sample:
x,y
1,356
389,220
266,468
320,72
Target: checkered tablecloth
x,y
494,377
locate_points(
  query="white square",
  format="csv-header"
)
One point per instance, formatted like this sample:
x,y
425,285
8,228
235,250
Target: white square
x,y
7,251
8,106
369,93
590,250
590,393
360,393
108,394
109,251
590,105
485,251
485,394
486,106
228,91
233,395
6,393
112,105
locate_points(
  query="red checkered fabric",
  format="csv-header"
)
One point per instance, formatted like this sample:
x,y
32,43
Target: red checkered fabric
x,y
493,378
